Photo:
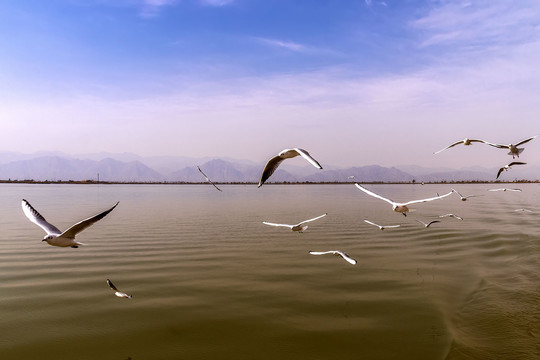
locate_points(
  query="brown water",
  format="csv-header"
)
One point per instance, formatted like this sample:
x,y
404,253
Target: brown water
x,y
210,281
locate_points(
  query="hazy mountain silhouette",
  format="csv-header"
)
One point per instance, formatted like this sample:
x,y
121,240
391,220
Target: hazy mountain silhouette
x,y
127,167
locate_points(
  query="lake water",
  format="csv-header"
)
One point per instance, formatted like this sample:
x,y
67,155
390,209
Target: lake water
x,y
210,281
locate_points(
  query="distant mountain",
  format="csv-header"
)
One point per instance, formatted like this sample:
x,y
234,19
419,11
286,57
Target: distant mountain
x,y
55,168
129,167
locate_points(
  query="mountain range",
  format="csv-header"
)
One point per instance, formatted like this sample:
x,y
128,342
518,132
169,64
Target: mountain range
x,y
133,168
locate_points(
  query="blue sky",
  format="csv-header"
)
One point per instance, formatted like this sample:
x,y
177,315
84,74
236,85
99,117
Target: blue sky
x,y
355,82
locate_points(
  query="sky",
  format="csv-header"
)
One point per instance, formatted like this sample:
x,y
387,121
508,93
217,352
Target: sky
x,y
354,82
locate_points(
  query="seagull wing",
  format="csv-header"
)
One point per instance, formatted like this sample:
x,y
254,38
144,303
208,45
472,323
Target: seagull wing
x,y
347,258
432,222
516,163
373,194
81,225
315,218
525,141
500,171
372,223
269,169
39,220
207,179
273,224
449,146
308,157
425,200
500,146
111,285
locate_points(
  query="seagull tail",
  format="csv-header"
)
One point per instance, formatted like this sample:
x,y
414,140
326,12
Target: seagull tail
x,y
303,228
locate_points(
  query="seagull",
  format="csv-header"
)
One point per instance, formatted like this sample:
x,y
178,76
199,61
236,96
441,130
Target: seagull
x,y
428,224
514,150
54,236
465,141
400,207
451,215
523,210
506,167
116,291
346,257
274,162
464,198
207,179
300,227
504,189
351,177
380,226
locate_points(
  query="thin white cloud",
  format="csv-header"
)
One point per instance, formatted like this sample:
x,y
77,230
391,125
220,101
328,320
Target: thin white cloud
x,y
217,3
152,8
478,23
289,45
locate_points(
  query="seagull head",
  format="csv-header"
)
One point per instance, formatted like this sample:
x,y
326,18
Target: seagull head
x,y
48,237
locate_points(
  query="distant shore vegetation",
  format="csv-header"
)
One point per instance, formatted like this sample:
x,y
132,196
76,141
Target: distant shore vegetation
x,y
413,182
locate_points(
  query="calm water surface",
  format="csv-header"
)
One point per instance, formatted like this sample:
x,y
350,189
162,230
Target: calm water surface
x,y
210,281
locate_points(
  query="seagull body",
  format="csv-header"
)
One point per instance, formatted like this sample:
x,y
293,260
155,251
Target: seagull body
x,y
346,257
116,291
300,227
381,227
463,198
451,215
56,237
207,179
274,162
428,224
504,189
400,207
514,150
506,167
465,141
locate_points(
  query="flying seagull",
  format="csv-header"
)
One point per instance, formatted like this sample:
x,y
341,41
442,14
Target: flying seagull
x,y
274,162
54,236
504,189
514,150
207,179
399,207
428,224
523,210
451,215
300,227
116,291
346,257
506,167
465,141
463,198
381,227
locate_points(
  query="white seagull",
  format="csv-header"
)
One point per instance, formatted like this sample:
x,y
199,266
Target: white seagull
x,y
346,257
465,141
381,227
54,236
400,207
506,167
207,179
451,215
116,291
428,224
524,210
504,189
274,162
514,150
300,227
463,198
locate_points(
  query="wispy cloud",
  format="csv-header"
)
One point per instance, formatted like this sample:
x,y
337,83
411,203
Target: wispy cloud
x,y
289,45
218,3
470,24
152,8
